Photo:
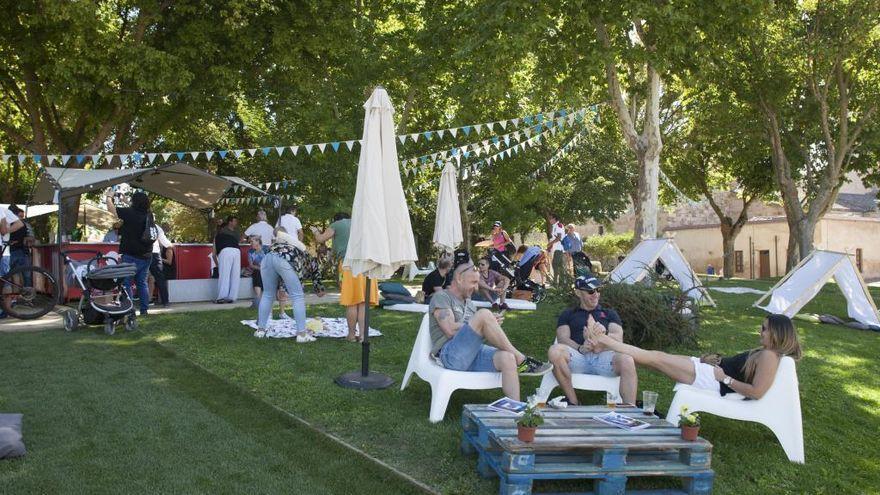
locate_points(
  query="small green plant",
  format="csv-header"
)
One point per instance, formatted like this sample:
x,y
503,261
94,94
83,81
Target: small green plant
x,y
688,419
656,315
531,417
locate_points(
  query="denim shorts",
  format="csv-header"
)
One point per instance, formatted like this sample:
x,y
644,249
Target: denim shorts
x,y
467,352
592,363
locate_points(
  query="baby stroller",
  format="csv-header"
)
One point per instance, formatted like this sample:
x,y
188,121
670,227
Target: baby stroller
x,y
583,266
518,275
104,299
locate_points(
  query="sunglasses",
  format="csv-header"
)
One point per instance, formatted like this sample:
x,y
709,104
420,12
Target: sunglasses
x,y
591,291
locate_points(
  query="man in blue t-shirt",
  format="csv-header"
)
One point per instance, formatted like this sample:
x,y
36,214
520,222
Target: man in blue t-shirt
x,y
572,354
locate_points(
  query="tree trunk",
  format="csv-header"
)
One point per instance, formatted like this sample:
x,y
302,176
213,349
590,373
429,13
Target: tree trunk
x,y
648,185
728,240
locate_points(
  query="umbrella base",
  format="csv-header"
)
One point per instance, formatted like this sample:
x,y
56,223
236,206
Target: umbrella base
x,y
356,380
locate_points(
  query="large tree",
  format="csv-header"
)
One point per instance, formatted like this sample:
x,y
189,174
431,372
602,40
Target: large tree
x,y
810,70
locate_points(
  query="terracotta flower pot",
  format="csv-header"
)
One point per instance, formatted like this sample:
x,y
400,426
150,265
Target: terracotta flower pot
x,y
525,433
690,433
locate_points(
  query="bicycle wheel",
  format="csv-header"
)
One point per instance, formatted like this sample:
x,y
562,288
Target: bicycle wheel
x,y
28,292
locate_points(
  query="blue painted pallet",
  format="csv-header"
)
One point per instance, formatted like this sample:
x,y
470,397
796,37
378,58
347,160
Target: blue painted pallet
x,y
572,445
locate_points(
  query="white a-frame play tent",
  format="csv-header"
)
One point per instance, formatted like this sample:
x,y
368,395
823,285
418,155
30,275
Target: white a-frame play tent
x,y
642,259
803,283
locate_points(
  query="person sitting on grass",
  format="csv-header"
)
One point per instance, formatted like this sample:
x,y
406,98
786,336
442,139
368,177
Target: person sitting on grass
x,y
458,333
748,373
492,286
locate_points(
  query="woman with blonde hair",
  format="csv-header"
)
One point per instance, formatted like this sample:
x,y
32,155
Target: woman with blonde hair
x,y
749,373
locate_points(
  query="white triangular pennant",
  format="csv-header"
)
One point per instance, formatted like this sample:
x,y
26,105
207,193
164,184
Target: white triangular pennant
x,y
350,144
237,153
65,158
280,150
252,151
166,156
109,159
503,124
440,133
321,147
414,137
309,151
194,155
51,158
402,139
515,122
479,128
209,155
151,157
294,149
453,131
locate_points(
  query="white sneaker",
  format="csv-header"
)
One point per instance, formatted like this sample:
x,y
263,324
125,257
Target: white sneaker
x,y
285,316
304,338
260,334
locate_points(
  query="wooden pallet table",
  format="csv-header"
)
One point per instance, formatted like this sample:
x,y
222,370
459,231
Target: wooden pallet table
x,y
572,445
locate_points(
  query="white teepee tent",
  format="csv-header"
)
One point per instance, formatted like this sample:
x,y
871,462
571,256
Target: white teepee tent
x,y
641,259
803,283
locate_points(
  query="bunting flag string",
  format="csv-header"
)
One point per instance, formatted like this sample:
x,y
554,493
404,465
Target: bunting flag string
x,y
560,153
255,200
677,191
497,142
139,158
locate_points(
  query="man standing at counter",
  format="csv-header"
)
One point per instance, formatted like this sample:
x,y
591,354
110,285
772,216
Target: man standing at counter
x,y
136,241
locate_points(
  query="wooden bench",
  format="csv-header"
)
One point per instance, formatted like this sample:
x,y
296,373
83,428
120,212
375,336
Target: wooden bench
x,y
572,445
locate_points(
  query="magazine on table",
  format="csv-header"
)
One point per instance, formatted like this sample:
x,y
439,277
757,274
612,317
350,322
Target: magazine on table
x,y
621,421
507,405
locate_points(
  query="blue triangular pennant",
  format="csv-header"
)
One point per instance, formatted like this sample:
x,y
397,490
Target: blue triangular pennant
x,y
428,135
335,145
80,159
180,155
528,120
37,158
223,153
266,151
467,130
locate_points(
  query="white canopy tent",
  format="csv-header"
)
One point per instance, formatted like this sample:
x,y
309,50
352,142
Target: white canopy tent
x,y
642,259
806,280
176,181
447,224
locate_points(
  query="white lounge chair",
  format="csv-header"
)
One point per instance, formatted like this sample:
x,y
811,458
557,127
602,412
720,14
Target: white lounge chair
x,y
580,382
779,409
443,381
415,270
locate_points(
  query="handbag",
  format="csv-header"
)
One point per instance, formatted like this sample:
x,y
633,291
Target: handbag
x,y
151,233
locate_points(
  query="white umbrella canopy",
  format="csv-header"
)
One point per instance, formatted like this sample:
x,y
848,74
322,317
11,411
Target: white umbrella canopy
x,y
447,224
381,239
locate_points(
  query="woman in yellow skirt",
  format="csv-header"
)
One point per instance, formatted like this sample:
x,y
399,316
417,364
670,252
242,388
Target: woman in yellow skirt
x,y
352,289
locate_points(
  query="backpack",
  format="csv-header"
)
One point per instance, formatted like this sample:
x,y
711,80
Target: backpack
x,y
151,233
566,243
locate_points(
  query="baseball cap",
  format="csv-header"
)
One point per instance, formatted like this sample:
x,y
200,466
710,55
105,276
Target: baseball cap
x,y
15,209
497,223
587,283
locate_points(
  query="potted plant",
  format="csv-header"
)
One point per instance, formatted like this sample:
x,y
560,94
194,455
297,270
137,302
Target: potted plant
x,y
528,422
689,424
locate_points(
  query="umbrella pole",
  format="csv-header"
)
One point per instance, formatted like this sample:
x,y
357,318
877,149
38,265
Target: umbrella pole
x,y
363,379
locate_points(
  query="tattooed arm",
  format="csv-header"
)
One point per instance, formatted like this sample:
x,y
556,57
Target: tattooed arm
x,y
447,322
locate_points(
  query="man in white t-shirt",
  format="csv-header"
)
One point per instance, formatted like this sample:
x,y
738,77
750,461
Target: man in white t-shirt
x,y
156,268
262,229
290,223
9,222
554,247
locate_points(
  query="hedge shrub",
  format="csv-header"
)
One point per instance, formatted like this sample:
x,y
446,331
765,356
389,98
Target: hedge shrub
x,y
654,317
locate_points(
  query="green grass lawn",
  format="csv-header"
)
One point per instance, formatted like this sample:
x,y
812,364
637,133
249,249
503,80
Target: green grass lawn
x,y
128,376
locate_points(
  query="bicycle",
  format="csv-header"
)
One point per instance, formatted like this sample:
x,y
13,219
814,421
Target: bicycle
x,y
27,292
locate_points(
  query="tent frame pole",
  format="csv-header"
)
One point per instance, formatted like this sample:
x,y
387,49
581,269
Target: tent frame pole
x,y
782,281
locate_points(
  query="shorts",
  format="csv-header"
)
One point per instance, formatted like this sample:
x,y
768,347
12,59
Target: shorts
x,y
257,279
351,291
704,376
591,363
467,352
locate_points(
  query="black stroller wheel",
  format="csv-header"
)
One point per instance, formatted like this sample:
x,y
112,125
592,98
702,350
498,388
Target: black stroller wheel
x,y
71,320
539,294
109,328
131,323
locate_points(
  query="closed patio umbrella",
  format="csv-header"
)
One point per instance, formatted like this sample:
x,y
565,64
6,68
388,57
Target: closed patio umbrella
x,y
381,239
447,224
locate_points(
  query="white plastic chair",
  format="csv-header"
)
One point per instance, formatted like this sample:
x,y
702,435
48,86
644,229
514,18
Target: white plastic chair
x,y
443,381
579,381
415,270
779,409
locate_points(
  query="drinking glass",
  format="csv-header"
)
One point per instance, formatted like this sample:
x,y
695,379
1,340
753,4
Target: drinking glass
x,y
649,402
610,399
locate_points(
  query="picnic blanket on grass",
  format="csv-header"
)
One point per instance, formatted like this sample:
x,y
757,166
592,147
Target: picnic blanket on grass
x,y
738,290
334,328
517,304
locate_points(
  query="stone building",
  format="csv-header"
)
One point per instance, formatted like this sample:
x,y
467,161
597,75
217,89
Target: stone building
x,y
852,226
